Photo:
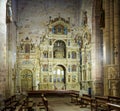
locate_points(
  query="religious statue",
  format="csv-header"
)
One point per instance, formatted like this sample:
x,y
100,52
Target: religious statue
x,y
85,18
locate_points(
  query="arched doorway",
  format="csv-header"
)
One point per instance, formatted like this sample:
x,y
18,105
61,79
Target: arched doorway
x,y
26,80
59,77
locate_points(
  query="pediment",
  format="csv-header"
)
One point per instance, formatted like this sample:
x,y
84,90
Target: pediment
x,y
59,21
59,25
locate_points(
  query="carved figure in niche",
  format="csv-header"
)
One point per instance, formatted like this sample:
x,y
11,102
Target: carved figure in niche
x,y
80,42
65,30
73,55
9,12
45,54
89,38
84,22
89,71
68,54
32,46
55,87
68,78
43,38
53,29
69,68
89,56
73,78
68,42
102,15
50,42
45,79
85,40
50,78
21,46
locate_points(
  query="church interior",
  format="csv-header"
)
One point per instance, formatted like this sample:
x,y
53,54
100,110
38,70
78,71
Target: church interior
x,y
56,49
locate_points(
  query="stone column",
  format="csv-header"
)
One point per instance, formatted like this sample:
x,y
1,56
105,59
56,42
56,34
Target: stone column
x,y
116,31
116,41
112,31
106,36
106,43
96,53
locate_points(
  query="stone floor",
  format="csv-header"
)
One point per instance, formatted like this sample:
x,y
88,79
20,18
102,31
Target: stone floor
x,y
63,104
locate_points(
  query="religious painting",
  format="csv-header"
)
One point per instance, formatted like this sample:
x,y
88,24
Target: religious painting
x,y
45,67
73,78
27,48
73,68
59,29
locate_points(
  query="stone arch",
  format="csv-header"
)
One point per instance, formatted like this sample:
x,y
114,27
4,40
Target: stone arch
x,y
59,77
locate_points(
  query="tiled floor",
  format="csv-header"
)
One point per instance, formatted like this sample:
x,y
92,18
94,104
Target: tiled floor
x,y
63,104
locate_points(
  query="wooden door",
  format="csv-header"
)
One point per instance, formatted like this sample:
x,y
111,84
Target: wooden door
x,y
26,80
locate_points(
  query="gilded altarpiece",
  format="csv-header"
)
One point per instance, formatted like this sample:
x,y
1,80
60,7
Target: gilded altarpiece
x,y
61,60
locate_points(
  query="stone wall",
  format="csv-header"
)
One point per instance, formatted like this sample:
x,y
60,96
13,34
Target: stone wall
x,y
33,16
3,48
